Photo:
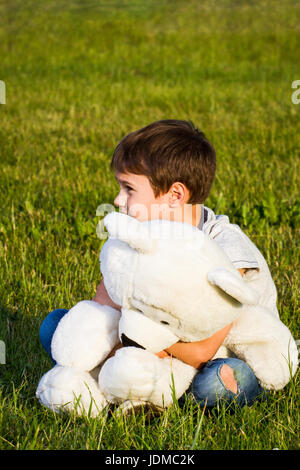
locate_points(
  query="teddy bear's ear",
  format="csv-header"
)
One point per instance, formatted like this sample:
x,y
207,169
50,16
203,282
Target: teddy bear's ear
x,y
233,285
129,230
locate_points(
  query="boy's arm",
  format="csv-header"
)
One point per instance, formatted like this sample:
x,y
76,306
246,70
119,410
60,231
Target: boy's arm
x,y
102,297
197,353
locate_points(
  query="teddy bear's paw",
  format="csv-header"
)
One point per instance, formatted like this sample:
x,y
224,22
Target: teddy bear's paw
x,y
136,374
70,389
85,335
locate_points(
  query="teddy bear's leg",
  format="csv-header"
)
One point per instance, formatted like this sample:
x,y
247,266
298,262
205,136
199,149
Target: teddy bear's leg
x,y
136,374
85,335
70,389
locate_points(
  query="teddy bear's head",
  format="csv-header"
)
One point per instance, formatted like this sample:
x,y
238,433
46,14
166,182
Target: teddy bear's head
x,y
173,274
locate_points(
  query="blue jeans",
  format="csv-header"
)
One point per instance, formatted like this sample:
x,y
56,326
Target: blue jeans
x,y
49,326
207,388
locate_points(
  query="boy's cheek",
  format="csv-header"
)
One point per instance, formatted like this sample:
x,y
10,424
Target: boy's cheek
x,y
138,211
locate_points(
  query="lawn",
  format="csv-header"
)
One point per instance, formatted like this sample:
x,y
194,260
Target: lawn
x,y
80,75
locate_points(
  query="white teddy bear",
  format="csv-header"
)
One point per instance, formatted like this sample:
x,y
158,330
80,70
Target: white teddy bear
x,y
141,263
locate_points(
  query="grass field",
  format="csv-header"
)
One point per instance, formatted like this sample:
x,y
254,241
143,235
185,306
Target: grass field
x,y
80,75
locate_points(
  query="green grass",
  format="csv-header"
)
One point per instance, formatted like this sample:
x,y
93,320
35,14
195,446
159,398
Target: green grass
x,y
81,75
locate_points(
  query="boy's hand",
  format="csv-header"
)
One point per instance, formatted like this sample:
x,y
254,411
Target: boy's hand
x,y
162,354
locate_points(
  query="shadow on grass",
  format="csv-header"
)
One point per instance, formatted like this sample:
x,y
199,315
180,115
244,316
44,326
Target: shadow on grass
x,y
25,359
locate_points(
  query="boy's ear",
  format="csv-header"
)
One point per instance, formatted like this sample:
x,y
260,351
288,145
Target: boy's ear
x,y
129,230
177,194
233,285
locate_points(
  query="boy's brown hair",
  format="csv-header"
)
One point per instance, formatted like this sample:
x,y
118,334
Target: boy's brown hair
x,y
167,151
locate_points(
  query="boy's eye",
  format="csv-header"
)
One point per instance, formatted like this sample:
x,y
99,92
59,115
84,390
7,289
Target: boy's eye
x,y
129,188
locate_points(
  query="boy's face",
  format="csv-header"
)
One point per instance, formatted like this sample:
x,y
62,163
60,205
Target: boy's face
x,y
136,197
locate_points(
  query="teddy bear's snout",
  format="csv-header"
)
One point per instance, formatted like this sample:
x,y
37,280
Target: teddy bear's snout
x,y
135,329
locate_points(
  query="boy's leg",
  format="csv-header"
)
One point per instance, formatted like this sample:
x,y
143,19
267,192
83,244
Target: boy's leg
x,y
209,387
48,328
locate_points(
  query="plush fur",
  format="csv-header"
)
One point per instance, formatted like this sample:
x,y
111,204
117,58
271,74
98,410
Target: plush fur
x,y
173,283
86,335
69,388
137,374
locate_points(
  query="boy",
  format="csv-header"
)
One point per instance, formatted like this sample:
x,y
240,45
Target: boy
x,y
170,165
166,170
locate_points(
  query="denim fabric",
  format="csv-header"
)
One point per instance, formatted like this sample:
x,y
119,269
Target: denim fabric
x,y
49,326
208,388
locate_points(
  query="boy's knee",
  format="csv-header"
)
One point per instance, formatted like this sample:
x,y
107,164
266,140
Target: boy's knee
x,y
228,378
49,326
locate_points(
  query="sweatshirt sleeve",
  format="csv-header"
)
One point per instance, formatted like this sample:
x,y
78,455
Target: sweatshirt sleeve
x,y
235,243
236,248
243,253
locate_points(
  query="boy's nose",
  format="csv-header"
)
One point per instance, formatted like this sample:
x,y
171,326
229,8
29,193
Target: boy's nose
x,y
116,201
120,201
